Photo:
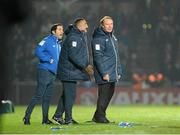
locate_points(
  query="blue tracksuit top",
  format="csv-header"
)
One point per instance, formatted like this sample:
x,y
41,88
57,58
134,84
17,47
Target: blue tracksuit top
x,y
49,48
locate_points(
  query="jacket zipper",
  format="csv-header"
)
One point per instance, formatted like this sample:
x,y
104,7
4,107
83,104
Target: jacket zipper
x,y
115,55
57,49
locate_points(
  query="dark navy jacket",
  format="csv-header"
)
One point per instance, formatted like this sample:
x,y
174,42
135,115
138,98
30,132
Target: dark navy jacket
x,y
74,56
49,48
105,56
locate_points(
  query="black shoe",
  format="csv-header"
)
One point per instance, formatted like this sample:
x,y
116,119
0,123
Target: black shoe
x,y
26,121
100,120
58,120
47,122
71,122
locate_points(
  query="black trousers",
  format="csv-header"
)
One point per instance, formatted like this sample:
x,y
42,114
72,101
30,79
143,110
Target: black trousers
x,y
66,100
105,93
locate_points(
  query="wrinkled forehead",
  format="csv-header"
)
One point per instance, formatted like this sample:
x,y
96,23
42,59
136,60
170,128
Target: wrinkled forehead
x,y
107,21
60,27
83,22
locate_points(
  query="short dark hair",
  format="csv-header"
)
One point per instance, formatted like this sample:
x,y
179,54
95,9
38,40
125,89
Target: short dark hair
x,y
76,22
54,27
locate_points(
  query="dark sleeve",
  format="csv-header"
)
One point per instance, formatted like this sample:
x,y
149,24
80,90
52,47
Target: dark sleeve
x,y
119,61
98,47
77,52
120,69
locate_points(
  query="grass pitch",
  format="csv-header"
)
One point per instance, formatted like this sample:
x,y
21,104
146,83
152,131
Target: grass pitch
x,y
146,119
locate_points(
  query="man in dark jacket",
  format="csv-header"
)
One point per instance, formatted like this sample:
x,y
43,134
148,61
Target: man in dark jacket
x,y
107,66
47,51
73,66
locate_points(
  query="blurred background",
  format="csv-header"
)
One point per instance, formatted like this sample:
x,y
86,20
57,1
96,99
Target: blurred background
x,y
148,32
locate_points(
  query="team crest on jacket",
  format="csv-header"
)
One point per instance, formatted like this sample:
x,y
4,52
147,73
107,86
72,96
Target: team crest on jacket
x,y
97,46
74,43
42,43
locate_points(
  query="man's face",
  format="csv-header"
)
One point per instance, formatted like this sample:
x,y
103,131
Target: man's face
x,y
108,25
83,26
59,32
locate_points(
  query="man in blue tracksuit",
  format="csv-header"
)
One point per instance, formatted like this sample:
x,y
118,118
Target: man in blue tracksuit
x,y
47,51
107,69
73,66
